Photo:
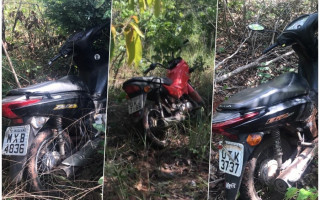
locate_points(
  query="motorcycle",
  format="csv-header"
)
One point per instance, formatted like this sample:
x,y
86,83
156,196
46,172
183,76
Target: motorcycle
x,y
270,132
51,123
161,103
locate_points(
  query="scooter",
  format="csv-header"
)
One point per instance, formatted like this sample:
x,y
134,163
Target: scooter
x,y
51,122
161,103
270,132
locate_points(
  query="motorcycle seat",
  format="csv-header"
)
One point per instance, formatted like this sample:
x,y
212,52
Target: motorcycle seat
x,y
284,87
149,79
65,84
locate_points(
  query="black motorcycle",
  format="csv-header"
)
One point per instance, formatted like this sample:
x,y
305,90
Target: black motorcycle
x,y
270,132
51,123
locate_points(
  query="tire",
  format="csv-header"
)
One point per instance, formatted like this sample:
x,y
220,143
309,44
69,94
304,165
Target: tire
x,y
251,182
157,134
44,145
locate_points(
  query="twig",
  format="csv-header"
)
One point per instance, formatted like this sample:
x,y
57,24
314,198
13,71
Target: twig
x,y
17,74
16,18
216,181
250,65
226,4
224,60
274,33
11,66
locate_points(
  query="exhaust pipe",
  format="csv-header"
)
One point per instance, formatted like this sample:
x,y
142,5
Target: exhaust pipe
x,y
295,170
71,164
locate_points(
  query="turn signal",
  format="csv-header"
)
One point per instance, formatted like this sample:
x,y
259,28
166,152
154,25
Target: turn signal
x,y
254,139
147,89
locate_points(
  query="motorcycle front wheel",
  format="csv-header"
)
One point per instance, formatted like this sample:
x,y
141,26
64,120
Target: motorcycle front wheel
x,y
254,185
155,129
43,157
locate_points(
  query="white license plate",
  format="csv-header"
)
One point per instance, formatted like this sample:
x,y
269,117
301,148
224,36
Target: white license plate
x,y
135,104
15,141
231,158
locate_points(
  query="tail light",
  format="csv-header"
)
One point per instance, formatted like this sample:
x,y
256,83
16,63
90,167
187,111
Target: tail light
x,y
222,126
8,106
131,89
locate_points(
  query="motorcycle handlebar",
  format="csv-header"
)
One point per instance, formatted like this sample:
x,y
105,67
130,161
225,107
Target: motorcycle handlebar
x,y
54,59
152,67
270,48
148,70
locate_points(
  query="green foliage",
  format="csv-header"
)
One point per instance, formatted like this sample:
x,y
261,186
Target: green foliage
x,y
99,127
301,194
198,128
133,43
35,30
165,32
74,15
100,181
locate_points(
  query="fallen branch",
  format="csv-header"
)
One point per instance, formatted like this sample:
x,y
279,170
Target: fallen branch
x,y
227,58
251,65
10,64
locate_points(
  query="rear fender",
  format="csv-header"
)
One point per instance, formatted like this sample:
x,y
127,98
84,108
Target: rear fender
x,y
232,183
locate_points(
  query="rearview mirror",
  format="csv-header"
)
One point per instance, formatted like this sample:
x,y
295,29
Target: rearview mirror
x,y
256,27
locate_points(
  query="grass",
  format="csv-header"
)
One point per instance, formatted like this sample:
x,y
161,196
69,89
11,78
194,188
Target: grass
x,y
134,169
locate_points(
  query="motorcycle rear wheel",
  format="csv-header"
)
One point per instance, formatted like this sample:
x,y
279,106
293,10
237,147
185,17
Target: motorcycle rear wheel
x,y
154,129
252,187
43,156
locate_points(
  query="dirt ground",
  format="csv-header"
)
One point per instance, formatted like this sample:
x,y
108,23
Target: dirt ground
x,y
150,173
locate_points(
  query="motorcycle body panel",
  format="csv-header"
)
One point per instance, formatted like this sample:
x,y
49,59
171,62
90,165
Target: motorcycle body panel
x,y
94,72
69,105
180,76
91,55
275,116
308,68
65,84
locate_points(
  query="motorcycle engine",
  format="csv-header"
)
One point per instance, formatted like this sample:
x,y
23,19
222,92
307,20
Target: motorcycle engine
x,y
186,106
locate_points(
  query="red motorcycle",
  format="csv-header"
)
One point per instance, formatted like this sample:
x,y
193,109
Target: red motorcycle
x,y
162,102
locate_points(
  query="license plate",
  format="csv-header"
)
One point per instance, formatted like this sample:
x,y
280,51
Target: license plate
x,y
15,141
231,158
135,104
